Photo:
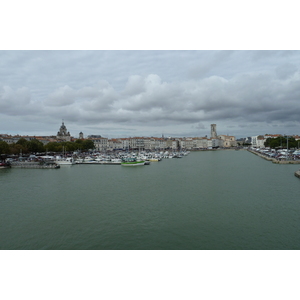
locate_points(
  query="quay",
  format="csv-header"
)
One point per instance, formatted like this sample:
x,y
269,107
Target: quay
x,y
274,160
34,165
98,163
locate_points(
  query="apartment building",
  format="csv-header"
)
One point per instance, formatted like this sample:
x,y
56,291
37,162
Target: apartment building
x,y
258,141
101,144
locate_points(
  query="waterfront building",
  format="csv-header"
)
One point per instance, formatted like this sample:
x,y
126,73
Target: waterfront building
x,y
217,143
115,144
175,144
147,143
162,143
258,141
125,143
137,143
187,143
209,143
155,143
101,144
228,140
200,143
169,143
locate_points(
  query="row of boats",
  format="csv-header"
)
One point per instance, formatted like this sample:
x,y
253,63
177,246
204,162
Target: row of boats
x,y
121,158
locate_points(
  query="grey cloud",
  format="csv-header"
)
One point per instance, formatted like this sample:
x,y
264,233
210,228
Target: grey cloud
x,y
151,89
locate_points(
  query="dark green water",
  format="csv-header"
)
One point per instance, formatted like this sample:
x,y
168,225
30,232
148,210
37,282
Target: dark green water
x,y
206,200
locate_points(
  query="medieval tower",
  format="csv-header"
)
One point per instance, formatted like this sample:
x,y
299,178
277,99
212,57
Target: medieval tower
x,y
213,134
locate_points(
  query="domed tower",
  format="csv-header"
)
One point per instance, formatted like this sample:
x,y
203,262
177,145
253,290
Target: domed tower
x,y
80,135
63,134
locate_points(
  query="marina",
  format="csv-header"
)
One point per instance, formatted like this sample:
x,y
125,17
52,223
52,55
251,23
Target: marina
x,y
118,158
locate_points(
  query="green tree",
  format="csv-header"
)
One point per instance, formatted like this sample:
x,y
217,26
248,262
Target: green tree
x,y
281,142
53,147
67,146
16,148
87,145
4,148
35,146
24,145
78,144
22,142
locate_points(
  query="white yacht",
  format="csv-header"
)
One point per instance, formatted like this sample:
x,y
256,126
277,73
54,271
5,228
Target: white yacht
x,y
65,161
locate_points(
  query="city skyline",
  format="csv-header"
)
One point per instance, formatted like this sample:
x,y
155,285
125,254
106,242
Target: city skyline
x,y
150,93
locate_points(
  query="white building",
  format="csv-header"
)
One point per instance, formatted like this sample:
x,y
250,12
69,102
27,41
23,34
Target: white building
x,y
258,141
101,144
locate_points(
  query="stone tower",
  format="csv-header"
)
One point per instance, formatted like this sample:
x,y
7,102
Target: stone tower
x,y
213,134
63,134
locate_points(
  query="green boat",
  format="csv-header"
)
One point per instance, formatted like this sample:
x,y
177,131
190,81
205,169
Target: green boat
x,y
132,161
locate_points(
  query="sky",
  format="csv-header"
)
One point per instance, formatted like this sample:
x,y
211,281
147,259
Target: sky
x,y
150,93
146,77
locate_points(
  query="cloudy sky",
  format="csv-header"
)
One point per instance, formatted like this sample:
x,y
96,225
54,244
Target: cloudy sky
x,y
150,93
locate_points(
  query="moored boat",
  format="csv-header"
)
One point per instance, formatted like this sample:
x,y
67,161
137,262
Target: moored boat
x,y
153,159
5,165
65,161
131,162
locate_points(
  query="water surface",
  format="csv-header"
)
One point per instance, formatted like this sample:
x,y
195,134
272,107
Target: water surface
x,y
206,200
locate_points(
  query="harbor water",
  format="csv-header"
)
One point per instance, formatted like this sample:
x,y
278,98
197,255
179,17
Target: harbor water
x,y
206,200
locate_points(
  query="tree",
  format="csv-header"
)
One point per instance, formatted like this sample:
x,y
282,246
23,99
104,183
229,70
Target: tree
x,y
16,148
24,145
4,148
281,142
53,147
36,146
88,144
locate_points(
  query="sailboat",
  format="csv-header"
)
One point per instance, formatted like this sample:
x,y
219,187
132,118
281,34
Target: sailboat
x,y
64,160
